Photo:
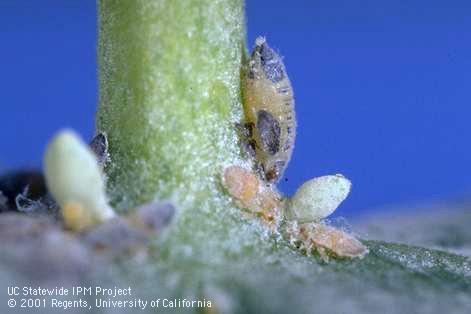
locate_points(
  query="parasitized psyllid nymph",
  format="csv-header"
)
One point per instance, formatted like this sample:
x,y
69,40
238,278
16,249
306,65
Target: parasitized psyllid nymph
x,y
268,135
270,120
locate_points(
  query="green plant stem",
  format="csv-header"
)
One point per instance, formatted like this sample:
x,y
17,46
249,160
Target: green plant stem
x,y
169,75
169,92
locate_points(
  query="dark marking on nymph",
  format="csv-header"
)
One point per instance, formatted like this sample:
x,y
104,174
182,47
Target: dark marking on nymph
x,y
274,72
99,145
267,55
271,175
269,131
274,173
271,63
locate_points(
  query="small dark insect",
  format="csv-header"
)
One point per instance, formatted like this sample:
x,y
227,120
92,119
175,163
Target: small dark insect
x,y
153,216
99,145
132,233
269,111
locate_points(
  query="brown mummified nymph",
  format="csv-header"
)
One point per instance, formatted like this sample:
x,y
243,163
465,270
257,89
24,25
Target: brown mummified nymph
x,y
270,126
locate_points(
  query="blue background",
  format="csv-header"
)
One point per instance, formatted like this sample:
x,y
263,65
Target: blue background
x,y
383,89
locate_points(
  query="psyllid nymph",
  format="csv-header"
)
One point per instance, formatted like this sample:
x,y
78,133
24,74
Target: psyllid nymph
x,y
298,219
269,111
268,135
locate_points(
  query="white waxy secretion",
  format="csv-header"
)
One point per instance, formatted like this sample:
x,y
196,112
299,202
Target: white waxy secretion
x,y
74,179
318,198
